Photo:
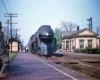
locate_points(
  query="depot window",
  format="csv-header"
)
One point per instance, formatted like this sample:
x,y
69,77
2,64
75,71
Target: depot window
x,y
81,43
90,43
67,45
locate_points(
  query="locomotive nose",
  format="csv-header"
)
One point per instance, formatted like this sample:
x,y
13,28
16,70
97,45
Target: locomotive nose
x,y
46,35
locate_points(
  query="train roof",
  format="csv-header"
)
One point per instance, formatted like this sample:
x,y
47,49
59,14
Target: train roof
x,y
32,36
43,26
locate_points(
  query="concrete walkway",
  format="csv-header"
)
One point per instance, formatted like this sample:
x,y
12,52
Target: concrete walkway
x,y
26,66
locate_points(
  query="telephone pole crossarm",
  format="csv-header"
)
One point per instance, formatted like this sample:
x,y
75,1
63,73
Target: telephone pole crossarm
x,y
90,23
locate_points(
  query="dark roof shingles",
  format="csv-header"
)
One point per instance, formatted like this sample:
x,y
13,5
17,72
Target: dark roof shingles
x,y
68,33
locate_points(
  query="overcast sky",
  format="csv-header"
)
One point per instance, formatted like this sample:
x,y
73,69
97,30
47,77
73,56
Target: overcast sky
x,y
34,13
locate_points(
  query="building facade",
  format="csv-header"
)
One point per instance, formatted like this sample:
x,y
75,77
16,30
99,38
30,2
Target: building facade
x,y
15,45
79,39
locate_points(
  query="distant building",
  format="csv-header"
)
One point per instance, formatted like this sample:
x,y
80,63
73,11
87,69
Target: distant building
x,y
16,45
79,39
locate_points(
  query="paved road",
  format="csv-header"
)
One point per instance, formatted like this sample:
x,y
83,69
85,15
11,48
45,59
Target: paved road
x,y
26,66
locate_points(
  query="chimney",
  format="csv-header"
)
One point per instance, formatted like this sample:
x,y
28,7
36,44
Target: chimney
x,y
0,23
77,28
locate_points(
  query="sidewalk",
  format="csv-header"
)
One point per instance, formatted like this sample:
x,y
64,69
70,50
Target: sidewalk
x,y
26,66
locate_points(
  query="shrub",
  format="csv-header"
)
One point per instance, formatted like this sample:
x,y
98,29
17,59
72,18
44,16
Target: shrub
x,y
92,50
87,48
99,50
83,50
77,50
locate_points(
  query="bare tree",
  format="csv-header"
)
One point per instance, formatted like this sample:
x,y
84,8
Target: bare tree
x,y
68,26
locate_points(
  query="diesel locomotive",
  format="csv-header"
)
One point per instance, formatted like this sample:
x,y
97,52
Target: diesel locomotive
x,y
43,41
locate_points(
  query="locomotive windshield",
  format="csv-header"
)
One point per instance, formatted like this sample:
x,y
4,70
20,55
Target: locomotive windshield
x,y
45,26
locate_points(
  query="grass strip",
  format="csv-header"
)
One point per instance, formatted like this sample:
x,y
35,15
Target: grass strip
x,y
12,55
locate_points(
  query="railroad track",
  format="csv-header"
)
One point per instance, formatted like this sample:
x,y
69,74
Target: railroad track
x,y
89,61
81,64
84,69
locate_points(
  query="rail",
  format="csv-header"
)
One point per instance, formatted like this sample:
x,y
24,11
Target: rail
x,y
75,63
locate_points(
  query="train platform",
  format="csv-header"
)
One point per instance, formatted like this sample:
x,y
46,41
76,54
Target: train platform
x,y
26,66
82,54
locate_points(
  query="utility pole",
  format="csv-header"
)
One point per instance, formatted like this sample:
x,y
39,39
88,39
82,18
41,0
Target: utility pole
x,y
16,33
7,28
16,36
98,30
10,16
90,23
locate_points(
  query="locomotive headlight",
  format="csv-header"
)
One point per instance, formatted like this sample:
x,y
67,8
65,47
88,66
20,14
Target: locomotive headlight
x,y
47,34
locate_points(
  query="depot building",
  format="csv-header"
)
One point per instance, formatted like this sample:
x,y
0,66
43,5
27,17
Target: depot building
x,y
79,39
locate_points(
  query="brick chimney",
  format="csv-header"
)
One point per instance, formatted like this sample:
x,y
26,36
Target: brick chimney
x,y
77,28
0,23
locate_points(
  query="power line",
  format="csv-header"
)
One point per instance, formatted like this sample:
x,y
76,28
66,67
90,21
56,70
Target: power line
x,y
9,6
4,6
96,22
30,22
